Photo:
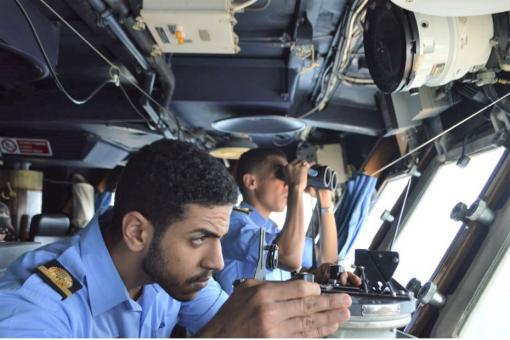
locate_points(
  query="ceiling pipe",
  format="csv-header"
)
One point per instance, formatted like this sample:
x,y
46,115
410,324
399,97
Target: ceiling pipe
x,y
148,64
144,41
110,21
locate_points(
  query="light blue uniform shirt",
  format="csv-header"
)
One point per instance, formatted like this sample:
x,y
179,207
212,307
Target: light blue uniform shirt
x,y
102,307
241,248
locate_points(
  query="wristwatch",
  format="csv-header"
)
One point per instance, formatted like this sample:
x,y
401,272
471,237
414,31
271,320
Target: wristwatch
x,y
272,256
327,210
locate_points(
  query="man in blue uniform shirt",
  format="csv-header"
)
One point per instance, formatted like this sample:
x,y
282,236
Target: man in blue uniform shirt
x,y
150,266
264,192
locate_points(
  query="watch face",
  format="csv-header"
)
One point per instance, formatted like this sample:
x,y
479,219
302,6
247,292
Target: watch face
x,y
327,210
272,257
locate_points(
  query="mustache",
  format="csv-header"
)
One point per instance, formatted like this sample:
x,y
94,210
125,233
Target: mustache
x,y
200,277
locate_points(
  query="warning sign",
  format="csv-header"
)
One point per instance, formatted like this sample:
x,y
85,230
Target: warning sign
x,y
25,146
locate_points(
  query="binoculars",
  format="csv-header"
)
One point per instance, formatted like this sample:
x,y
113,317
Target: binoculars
x,y
319,177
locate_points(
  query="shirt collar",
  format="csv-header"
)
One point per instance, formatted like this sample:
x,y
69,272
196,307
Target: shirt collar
x,y
105,286
260,220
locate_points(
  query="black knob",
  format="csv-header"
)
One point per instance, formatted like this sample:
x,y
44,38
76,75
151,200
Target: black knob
x,y
334,271
459,212
414,286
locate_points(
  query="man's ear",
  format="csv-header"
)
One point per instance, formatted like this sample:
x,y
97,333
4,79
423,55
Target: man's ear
x,y
137,231
249,181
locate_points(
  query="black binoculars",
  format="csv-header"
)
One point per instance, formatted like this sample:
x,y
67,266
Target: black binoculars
x,y
319,177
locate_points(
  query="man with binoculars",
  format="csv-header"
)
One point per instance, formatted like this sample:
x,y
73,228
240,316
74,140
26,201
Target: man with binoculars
x,y
254,247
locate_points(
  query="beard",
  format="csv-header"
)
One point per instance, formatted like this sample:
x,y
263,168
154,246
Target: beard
x,y
155,266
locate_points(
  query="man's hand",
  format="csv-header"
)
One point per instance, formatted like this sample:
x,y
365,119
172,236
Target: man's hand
x,y
279,309
325,195
322,275
296,173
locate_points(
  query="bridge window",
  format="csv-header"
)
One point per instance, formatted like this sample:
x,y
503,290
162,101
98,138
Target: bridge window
x,y
488,319
428,232
385,199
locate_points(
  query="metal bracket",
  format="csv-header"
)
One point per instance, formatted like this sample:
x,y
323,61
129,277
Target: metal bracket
x,y
156,51
429,295
413,171
376,268
139,24
386,216
501,124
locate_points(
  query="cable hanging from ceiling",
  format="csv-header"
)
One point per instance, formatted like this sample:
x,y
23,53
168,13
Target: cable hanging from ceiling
x,y
54,75
113,72
112,65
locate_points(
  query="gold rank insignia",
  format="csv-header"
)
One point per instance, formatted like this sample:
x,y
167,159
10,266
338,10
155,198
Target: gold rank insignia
x,y
59,278
243,210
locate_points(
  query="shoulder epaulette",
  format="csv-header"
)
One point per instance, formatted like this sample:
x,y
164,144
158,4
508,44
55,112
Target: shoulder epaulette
x,y
246,211
59,278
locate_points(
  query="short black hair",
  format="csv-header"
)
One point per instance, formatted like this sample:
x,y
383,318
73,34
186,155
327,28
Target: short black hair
x,y
250,162
163,177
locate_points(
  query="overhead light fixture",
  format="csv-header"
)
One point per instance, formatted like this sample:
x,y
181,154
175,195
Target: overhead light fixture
x,y
232,148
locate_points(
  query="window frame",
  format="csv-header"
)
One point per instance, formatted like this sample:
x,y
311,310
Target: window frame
x,y
413,221
457,264
384,236
463,299
420,186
